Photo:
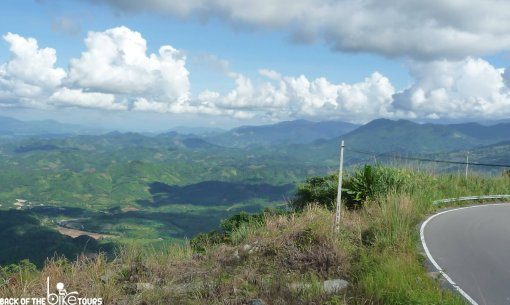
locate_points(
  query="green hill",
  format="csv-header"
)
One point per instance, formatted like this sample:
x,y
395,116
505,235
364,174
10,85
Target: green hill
x,y
408,137
404,137
291,132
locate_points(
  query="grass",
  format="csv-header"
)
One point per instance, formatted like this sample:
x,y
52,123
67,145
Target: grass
x,y
376,251
389,267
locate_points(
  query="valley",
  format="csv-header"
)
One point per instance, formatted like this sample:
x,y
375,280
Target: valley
x,y
130,188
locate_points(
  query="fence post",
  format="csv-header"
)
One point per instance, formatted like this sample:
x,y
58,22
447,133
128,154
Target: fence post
x,y
467,164
339,192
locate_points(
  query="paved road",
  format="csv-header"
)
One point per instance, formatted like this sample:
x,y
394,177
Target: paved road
x,y
472,246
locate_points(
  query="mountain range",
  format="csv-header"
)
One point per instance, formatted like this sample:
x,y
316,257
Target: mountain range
x,y
288,132
404,136
310,139
13,127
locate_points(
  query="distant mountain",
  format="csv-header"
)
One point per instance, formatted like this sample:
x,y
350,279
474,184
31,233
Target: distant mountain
x,y
289,132
500,131
13,127
404,137
127,140
199,131
498,153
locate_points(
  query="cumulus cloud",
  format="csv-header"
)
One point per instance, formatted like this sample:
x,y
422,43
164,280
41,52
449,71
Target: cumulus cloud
x,y
116,62
115,72
292,97
30,74
76,97
444,89
506,77
413,28
469,88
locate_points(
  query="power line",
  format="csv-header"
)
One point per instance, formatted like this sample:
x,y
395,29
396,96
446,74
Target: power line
x,y
374,154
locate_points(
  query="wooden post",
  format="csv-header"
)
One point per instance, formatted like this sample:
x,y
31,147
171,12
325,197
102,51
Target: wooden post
x,y
467,164
339,192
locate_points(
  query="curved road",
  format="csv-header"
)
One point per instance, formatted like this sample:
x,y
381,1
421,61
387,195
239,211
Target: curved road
x,y
471,246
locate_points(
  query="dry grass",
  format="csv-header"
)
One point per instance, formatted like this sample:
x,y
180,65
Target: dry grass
x,y
260,264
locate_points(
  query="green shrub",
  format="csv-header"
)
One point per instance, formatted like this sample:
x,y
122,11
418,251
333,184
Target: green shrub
x,y
319,190
202,241
367,182
234,222
370,182
23,268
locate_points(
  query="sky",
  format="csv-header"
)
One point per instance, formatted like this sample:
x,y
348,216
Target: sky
x,y
154,64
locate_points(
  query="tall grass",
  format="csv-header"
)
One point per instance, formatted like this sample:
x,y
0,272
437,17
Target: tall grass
x,y
389,268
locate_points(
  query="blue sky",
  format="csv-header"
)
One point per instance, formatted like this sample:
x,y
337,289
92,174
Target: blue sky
x,y
242,46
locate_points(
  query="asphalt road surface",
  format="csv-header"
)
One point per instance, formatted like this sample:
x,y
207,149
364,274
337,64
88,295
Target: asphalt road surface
x,y
472,247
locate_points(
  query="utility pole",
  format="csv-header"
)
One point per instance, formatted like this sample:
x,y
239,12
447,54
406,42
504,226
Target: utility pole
x,y
467,164
339,193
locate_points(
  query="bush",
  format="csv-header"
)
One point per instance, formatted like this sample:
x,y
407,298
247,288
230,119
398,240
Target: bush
x,y
236,221
22,269
319,190
203,241
367,182
370,182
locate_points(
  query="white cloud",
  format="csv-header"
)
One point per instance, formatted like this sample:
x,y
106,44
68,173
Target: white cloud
x,y
30,74
271,74
464,89
469,88
506,76
76,97
116,73
413,28
111,74
293,97
116,62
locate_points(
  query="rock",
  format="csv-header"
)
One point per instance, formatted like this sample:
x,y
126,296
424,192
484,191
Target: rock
x,y
246,248
299,286
144,286
329,286
334,286
256,302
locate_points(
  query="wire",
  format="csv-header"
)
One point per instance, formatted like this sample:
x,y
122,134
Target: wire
x,y
374,154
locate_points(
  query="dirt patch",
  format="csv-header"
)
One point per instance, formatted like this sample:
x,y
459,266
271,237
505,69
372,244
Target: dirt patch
x,y
129,209
75,233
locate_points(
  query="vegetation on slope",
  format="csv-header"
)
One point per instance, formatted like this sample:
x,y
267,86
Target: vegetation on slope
x,y
282,258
